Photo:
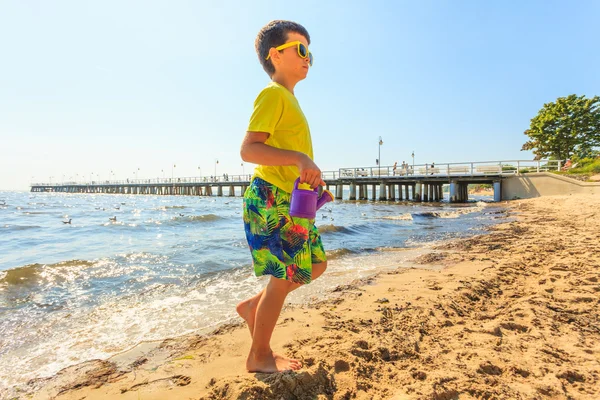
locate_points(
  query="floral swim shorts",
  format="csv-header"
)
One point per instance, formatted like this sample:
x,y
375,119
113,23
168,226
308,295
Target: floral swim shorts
x,y
282,246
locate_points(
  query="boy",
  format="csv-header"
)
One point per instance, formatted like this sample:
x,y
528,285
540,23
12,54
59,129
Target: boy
x,y
278,140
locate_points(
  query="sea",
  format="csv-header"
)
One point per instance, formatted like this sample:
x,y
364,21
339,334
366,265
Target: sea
x,y
129,269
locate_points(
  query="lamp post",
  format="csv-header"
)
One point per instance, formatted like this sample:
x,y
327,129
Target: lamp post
x,y
136,173
413,157
216,162
243,172
379,159
200,172
173,179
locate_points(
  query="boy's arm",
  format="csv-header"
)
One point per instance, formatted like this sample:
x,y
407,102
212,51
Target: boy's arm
x,y
254,150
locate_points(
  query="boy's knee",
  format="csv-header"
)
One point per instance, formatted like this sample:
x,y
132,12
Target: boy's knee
x,y
279,285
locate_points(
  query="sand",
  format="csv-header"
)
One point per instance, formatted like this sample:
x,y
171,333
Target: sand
x,y
512,314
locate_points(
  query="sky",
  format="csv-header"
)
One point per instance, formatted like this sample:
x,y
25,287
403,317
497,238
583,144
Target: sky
x,y
107,89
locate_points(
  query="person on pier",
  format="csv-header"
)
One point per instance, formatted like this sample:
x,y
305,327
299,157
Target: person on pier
x,y
278,140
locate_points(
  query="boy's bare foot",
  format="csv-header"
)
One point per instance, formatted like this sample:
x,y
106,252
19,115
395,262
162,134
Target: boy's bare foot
x,y
270,363
247,310
296,364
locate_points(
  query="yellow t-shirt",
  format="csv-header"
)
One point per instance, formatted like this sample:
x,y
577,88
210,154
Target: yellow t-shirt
x,y
277,112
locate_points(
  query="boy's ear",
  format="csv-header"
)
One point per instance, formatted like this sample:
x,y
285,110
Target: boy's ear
x,y
275,56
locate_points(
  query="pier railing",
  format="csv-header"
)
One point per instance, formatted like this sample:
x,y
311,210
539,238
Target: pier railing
x,y
480,168
158,181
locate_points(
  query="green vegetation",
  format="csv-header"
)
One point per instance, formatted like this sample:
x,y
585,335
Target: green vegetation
x,y
480,187
583,168
589,166
567,128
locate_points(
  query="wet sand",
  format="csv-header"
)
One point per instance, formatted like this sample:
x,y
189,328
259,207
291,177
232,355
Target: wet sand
x,y
512,314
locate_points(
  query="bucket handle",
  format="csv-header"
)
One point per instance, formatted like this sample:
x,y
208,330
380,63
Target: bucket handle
x,y
297,181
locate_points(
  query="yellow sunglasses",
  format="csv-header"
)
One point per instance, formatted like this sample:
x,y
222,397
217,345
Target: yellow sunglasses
x,y
302,50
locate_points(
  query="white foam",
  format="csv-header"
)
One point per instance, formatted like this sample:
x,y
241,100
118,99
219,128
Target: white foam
x,y
75,335
66,338
457,212
403,217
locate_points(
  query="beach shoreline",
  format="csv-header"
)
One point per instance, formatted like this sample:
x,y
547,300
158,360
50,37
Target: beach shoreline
x,y
156,275
508,314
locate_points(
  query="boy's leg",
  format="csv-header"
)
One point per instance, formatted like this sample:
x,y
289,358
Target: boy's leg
x,y
317,271
247,308
278,249
261,357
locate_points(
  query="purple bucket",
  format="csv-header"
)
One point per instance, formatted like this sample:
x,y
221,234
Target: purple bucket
x,y
305,203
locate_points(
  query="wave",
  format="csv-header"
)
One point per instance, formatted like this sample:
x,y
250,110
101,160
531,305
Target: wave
x,y
165,208
455,213
496,212
30,274
338,253
437,214
198,218
120,224
333,228
403,217
20,227
173,221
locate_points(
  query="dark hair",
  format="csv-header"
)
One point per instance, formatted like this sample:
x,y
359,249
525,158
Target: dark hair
x,y
275,34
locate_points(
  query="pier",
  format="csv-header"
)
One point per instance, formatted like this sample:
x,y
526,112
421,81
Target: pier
x,y
419,183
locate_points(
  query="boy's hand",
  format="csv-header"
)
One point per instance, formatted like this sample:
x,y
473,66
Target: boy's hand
x,y
309,172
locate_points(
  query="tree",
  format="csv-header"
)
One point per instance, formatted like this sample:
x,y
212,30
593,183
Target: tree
x,y
570,126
